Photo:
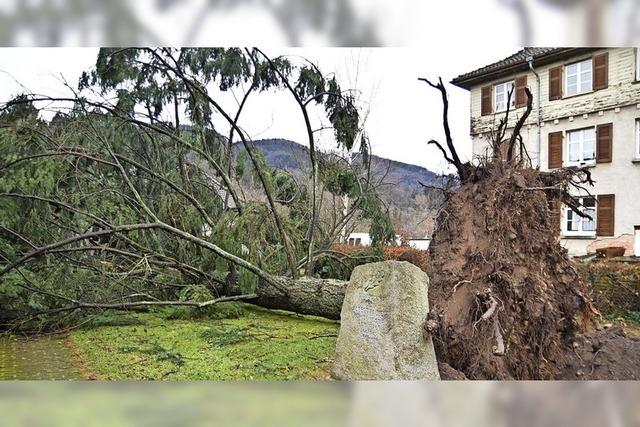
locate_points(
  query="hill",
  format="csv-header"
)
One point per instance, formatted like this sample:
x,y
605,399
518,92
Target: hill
x,y
294,158
409,202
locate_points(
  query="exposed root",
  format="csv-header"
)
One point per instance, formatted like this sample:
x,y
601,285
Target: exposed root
x,y
499,349
505,296
461,282
496,234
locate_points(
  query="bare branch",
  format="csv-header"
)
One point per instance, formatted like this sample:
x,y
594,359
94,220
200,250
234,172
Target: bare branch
x,y
442,150
455,159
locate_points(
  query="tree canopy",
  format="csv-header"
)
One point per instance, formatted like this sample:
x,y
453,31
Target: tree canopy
x,y
112,204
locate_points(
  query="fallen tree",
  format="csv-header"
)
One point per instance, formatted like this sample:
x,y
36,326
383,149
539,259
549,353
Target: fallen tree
x,y
113,205
306,295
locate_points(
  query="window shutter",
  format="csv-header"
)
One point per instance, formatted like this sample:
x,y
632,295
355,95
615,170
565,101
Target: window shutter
x,y
521,95
604,144
555,150
601,71
555,83
606,214
487,102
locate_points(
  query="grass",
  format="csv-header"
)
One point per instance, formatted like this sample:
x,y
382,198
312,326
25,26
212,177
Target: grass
x,y
235,342
629,319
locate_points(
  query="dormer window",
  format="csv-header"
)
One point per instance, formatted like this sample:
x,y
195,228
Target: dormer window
x,y
501,94
579,77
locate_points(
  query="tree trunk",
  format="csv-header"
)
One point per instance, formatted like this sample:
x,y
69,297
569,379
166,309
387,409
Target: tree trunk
x,y
310,296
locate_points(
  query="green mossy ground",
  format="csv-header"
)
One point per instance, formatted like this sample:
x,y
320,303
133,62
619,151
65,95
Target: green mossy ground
x,y
232,342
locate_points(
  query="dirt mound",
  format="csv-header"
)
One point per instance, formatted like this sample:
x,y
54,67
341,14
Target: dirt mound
x,y
609,354
447,373
507,302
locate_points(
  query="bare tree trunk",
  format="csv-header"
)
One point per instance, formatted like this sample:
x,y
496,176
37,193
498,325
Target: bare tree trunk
x,y
307,295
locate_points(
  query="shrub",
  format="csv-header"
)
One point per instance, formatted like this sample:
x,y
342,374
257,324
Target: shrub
x,y
615,286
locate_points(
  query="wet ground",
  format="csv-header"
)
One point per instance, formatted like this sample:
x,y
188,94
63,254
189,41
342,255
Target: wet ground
x,y
41,358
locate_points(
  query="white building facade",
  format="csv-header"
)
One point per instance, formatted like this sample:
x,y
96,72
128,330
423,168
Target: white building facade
x,y
359,239
421,244
364,239
586,112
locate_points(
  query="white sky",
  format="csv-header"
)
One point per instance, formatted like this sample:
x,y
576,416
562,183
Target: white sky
x,y
404,113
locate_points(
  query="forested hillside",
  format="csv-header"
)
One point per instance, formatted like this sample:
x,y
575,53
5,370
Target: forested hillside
x,y
412,206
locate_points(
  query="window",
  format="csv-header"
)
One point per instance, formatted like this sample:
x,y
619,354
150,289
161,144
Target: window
x,y
501,93
579,77
581,146
575,225
352,241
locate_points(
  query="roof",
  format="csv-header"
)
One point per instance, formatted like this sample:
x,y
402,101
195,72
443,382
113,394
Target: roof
x,y
516,63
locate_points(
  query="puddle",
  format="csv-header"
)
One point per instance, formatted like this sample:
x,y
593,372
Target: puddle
x,y
41,358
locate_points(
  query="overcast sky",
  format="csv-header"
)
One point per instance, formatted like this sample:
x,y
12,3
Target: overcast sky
x,y
404,113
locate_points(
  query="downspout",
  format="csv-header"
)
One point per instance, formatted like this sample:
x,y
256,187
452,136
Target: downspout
x,y
539,115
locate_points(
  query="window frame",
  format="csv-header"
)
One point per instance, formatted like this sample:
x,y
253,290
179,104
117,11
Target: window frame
x,y
506,95
566,211
578,78
582,161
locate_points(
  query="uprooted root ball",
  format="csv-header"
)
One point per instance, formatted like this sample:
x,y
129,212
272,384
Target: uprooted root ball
x,y
506,299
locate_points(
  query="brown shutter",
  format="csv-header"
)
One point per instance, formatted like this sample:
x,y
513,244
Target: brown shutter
x,y
487,102
604,143
555,150
555,83
606,214
521,95
601,71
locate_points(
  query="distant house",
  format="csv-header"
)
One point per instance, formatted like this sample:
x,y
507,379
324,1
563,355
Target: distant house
x,y
586,112
364,239
359,239
422,244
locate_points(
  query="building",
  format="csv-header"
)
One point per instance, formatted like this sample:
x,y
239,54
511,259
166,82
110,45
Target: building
x,y
364,239
421,244
586,112
359,239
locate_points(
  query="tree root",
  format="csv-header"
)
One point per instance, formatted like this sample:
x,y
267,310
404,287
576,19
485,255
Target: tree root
x,y
499,348
486,299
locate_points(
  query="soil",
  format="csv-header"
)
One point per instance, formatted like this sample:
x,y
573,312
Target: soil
x,y
448,373
608,354
498,273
